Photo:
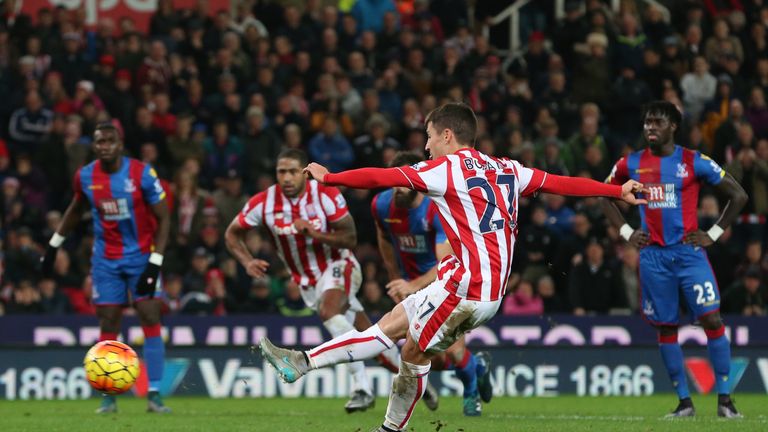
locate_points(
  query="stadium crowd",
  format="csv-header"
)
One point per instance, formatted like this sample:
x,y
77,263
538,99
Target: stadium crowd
x,y
209,99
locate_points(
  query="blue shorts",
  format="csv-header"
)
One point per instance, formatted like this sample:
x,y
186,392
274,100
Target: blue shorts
x,y
113,280
668,271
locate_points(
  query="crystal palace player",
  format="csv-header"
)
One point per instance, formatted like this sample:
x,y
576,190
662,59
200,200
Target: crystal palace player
x,y
131,223
411,242
314,232
477,198
671,256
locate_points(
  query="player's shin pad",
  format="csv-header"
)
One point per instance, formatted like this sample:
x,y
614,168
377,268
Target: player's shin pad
x,y
407,388
351,346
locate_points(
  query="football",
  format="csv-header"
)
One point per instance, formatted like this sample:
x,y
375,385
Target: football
x,y
111,367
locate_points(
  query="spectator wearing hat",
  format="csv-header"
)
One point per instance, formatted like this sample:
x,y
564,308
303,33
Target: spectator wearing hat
x,y
104,75
291,304
195,278
592,74
120,103
71,62
258,299
673,58
30,125
746,296
595,283
261,145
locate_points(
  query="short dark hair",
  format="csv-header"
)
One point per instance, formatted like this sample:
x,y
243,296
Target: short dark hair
x,y
294,154
403,158
106,126
664,109
459,118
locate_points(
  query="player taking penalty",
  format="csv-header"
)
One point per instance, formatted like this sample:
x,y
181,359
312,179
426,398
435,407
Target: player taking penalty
x,y
672,258
411,242
477,197
130,223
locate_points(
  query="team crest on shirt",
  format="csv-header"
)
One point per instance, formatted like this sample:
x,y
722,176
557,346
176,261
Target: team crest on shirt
x,y
279,215
129,186
682,171
425,224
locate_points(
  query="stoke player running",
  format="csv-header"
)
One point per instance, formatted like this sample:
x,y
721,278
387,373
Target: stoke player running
x,y
411,242
672,259
477,197
131,223
313,232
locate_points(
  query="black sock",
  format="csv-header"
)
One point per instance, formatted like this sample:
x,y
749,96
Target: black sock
x,y
686,402
723,399
388,429
306,358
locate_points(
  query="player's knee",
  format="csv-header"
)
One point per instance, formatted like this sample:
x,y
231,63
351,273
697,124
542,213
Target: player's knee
x,y
711,321
667,331
412,353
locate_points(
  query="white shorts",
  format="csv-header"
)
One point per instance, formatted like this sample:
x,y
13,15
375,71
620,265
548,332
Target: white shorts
x,y
343,274
437,317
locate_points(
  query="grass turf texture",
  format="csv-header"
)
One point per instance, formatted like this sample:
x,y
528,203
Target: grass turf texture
x,y
565,413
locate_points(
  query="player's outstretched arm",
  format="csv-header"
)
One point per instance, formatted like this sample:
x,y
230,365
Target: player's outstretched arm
x,y
737,198
234,238
69,221
363,178
578,186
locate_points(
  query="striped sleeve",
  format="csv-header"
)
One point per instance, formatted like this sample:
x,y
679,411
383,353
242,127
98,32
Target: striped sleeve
x,y
252,213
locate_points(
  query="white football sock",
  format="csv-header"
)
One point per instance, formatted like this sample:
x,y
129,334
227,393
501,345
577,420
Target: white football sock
x,y
338,325
351,346
407,388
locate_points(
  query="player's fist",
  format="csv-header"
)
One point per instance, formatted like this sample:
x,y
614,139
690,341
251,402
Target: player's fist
x,y
148,280
628,191
47,261
304,227
317,171
639,239
256,268
698,238
399,289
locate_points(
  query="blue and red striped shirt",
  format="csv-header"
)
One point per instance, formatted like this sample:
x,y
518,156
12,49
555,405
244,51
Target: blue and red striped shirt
x,y
124,225
673,182
414,232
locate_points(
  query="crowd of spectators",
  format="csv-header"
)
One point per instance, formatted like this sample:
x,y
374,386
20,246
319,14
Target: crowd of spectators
x,y
209,98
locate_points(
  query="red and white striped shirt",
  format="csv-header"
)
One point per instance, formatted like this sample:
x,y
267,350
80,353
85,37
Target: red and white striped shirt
x,y
477,196
320,205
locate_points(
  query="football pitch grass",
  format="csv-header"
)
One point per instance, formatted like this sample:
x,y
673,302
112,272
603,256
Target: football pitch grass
x,y
564,413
